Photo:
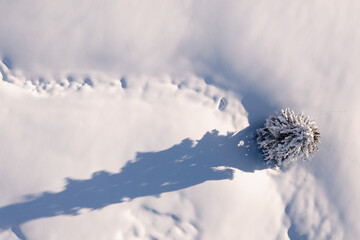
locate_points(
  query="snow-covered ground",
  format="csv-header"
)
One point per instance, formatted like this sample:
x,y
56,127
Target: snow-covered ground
x,y
135,120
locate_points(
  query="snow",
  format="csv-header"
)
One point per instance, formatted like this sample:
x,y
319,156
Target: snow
x,y
166,97
288,137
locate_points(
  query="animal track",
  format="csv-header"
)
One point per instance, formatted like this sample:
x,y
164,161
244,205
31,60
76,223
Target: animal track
x,y
187,87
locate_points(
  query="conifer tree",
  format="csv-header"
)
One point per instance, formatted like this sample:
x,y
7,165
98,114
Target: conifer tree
x,y
288,137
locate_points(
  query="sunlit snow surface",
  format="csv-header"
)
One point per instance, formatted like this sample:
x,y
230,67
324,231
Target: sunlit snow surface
x,y
122,119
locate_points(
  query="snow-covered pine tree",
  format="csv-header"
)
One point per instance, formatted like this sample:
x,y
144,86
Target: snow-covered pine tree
x,y
288,137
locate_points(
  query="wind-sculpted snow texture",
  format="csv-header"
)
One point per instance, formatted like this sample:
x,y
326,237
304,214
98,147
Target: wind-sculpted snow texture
x,y
86,86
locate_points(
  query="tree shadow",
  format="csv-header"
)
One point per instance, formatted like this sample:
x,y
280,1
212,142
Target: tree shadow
x,y
213,157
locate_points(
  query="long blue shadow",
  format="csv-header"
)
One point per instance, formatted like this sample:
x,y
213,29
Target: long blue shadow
x,y
150,174
213,157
